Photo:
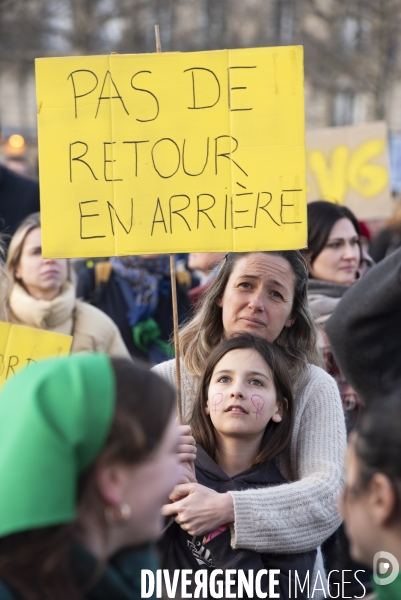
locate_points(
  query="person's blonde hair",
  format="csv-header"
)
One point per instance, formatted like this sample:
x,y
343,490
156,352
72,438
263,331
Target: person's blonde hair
x,y
204,331
5,283
17,243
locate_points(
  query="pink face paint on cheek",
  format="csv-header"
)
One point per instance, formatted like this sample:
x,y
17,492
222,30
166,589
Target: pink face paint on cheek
x,y
216,399
258,403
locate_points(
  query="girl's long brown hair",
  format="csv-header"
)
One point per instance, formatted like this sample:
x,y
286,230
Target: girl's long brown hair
x,y
276,435
35,564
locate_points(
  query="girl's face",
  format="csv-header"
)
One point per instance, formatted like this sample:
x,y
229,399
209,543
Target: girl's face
x,y
242,397
339,260
43,278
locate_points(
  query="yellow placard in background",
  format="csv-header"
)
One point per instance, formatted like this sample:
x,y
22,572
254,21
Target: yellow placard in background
x,y
172,152
350,165
22,346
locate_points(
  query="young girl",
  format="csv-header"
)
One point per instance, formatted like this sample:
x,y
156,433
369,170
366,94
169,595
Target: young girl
x,y
242,419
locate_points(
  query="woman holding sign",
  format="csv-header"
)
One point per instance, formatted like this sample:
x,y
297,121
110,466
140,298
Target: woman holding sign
x,y
43,296
265,294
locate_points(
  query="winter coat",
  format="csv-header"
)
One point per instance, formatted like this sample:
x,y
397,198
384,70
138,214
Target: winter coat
x,y
323,297
365,331
110,299
180,550
300,516
19,197
120,579
92,330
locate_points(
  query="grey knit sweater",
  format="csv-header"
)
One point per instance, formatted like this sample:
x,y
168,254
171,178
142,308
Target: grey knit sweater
x,y
299,516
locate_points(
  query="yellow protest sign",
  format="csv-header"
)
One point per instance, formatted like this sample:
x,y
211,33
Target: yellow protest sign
x,y
22,346
350,165
172,152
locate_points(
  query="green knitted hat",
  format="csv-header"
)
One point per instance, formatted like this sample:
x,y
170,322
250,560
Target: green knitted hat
x,y
54,420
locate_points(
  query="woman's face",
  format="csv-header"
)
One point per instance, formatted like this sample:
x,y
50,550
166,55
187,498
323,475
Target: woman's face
x,y
242,397
259,296
43,278
339,260
147,487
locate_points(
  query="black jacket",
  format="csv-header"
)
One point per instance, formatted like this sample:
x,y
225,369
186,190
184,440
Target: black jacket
x,y
19,197
365,331
179,550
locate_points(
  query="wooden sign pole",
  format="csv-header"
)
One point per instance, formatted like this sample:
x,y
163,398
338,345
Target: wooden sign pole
x,y
174,298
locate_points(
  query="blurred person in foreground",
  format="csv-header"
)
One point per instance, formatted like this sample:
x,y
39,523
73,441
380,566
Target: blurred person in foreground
x,y
371,500
88,456
334,258
43,296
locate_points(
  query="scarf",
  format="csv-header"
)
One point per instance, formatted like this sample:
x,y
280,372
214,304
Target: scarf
x,y
323,297
43,314
144,276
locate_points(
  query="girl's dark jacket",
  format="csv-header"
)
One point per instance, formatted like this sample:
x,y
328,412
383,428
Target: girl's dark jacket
x,y
179,550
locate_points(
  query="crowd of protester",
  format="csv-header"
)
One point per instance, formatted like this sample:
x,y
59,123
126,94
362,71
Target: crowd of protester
x,y
284,355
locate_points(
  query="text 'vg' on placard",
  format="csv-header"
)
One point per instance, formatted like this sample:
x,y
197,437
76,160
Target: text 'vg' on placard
x,y
350,165
172,152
